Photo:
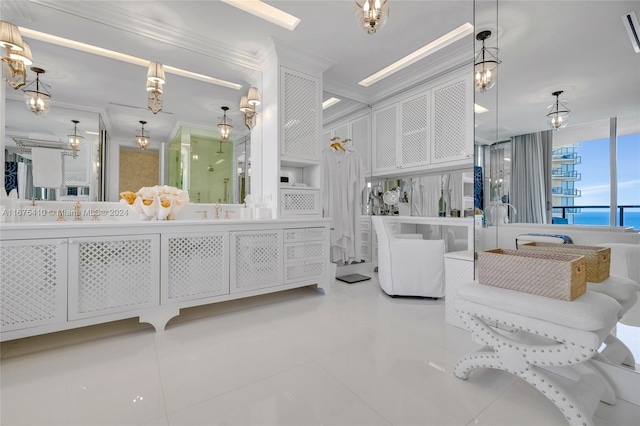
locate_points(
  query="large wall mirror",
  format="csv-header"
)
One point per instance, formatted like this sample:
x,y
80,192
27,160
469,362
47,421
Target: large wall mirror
x,y
88,87
532,174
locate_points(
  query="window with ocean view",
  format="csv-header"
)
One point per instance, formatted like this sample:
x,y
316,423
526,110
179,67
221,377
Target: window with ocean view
x,y
581,183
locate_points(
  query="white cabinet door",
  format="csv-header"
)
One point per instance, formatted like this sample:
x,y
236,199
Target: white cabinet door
x,y
256,260
34,283
385,134
301,117
360,135
113,274
194,266
452,126
414,131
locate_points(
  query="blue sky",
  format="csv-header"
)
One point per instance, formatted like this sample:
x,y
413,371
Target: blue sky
x,y
595,171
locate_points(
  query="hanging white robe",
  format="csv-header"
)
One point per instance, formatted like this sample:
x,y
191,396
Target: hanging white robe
x,y
342,183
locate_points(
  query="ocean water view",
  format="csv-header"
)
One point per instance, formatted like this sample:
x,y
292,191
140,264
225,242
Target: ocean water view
x,y
631,218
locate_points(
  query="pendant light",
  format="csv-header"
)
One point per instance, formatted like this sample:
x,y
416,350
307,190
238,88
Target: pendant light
x,y
225,125
371,15
74,139
142,137
485,64
557,118
38,98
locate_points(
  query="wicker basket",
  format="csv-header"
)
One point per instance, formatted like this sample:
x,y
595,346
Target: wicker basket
x,y
560,276
598,258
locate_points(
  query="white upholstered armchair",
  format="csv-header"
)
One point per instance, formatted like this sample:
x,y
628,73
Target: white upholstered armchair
x,y
409,266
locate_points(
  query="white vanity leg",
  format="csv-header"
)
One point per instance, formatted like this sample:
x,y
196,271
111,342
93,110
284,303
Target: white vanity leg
x,y
160,316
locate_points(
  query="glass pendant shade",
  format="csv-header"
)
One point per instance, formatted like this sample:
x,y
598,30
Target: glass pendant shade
x,y
224,128
37,95
372,15
142,137
14,65
485,64
154,91
557,118
155,73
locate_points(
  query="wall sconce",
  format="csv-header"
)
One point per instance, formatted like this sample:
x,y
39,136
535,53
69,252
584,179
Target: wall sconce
x,y
16,56
142,137
372,14
74,139
38,98
485,64
557,117
155,82
248,107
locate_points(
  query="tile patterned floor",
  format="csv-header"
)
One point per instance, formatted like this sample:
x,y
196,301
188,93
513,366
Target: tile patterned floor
x,y
354,357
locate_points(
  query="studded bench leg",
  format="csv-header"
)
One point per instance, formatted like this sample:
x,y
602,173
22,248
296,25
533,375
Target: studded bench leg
x,y
521,346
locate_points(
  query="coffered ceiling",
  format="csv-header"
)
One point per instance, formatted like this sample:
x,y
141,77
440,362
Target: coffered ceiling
x,y
579,47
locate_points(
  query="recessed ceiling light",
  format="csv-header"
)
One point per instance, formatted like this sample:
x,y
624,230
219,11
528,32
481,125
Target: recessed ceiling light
x,y
331,101
266,12
479,109
91,133
83,47
451,37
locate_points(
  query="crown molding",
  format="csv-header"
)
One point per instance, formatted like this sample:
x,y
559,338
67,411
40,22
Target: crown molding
x,y
140,25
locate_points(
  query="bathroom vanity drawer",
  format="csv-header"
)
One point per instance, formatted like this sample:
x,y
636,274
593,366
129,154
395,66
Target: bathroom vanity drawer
x,y
303,271
303,234
306,250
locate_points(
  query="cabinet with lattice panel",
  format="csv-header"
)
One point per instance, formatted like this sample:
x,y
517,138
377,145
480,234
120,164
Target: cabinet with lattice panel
x,y
194,266
305,253
401,132
300,118
256,260
113,274
33,277
452,118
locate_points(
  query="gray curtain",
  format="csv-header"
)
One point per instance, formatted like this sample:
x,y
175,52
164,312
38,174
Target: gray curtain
x,y
531,177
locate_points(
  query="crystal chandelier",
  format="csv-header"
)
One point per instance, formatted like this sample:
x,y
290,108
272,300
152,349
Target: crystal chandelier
x,y
142,137
38,98
372,14
557,118
74,139
485,64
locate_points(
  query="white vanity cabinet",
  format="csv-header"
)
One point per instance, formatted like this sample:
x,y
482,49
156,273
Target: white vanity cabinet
x,y
113,274
194,266
94,272
304,254
33,283
256,259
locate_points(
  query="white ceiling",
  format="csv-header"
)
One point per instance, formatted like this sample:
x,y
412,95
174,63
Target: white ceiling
x,y
580,47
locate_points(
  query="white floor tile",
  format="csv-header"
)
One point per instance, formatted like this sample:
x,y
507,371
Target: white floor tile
x,y
355,356
305,395
112,381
